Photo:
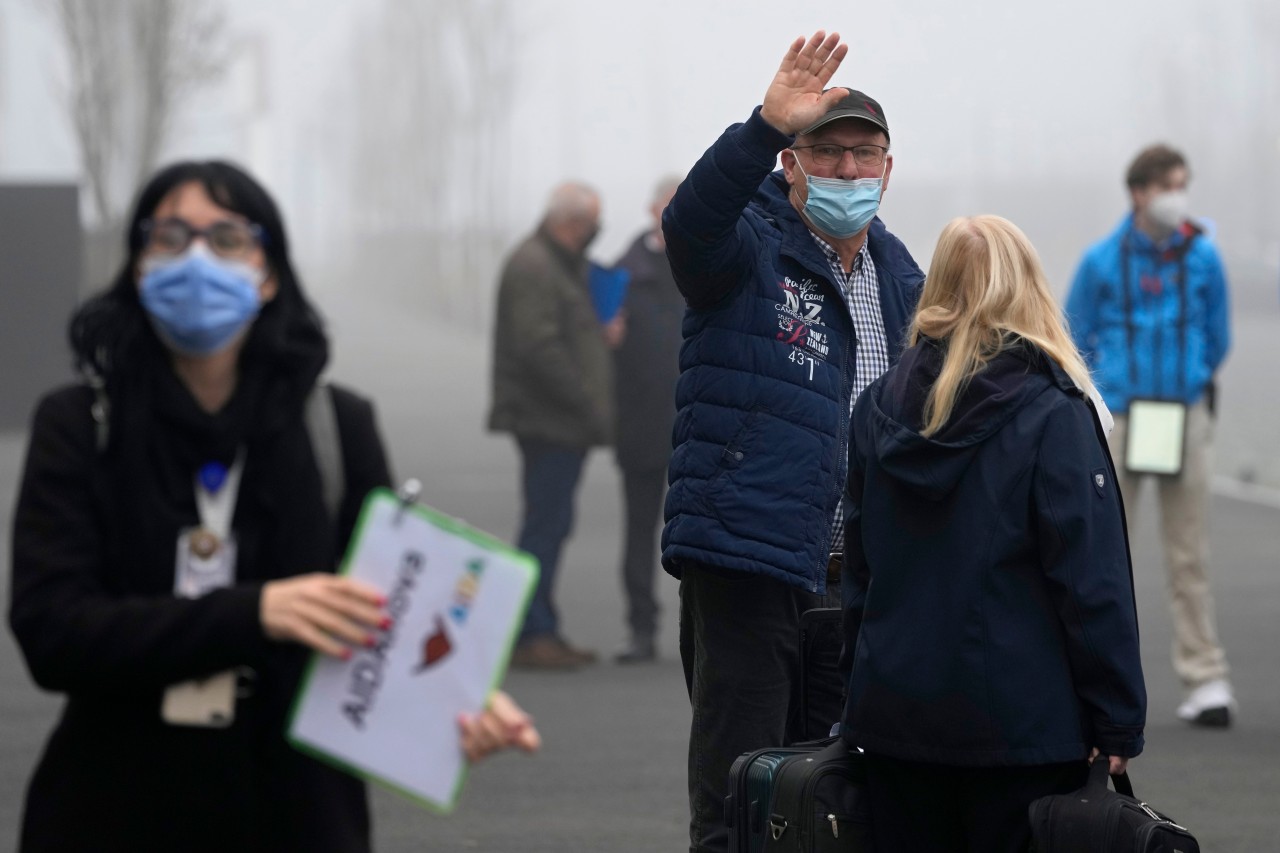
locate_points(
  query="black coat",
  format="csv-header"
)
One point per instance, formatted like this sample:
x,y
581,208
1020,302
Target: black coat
x,y
988,589
93,612
648,361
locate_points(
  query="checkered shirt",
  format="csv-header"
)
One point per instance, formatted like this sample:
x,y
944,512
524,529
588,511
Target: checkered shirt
x,y
861,291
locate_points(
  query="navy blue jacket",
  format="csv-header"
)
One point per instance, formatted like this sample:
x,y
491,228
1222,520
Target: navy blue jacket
x,y
766,366
988,590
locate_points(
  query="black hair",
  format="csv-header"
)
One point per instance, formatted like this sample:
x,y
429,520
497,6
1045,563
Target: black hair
x,y
110,333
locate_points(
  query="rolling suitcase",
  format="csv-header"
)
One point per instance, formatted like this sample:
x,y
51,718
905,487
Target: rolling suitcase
x,y
746,808
819,803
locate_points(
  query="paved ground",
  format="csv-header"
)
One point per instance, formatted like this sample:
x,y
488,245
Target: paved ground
x,y
611,776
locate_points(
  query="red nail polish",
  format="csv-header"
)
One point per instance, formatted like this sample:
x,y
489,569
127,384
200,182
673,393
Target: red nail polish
x,y
386,622
370,641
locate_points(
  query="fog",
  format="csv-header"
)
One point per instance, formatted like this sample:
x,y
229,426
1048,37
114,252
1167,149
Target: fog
x,y
411,144
1028,110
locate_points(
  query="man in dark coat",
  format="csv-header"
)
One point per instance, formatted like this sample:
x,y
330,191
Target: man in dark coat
x,y
647,366
798,298
552,390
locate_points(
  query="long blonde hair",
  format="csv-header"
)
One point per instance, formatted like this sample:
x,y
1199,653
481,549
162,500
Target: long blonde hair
x,y
985,288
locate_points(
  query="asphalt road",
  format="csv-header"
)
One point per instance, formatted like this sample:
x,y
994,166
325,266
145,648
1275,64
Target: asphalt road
x,y
611,774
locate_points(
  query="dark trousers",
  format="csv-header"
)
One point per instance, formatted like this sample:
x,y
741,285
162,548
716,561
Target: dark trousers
x,y
642,489
935,808
549,478
739,643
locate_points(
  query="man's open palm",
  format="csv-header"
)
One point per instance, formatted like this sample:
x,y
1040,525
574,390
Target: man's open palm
x,y
795,98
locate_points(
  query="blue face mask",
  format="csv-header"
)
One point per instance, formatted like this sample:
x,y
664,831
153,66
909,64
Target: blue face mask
x,y
841,208
197,301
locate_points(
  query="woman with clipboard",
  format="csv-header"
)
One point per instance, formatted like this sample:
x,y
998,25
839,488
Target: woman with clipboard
x,y
173,549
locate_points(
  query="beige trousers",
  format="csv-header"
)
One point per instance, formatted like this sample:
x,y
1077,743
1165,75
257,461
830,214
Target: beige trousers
x,y
1198,657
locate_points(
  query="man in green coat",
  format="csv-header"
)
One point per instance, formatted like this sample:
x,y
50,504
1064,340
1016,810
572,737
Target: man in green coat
x,y
552,390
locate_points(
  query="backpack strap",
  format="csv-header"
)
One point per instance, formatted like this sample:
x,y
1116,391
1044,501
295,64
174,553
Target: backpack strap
x,y
322,426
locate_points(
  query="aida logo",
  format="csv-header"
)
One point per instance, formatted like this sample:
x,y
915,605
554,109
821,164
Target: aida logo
x,y
436,647
464,591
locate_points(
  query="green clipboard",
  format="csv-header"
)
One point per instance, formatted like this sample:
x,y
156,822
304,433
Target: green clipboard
x,y
457,597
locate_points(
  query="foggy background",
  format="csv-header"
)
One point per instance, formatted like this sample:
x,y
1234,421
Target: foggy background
x,y
412,143
404,124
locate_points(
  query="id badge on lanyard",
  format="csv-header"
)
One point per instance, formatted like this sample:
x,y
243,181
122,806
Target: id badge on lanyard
x,y
205,560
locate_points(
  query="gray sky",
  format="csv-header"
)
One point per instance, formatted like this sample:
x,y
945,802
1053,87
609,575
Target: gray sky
x,y
1029,110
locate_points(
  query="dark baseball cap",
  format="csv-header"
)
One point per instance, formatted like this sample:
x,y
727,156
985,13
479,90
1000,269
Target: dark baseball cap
x,y
854,105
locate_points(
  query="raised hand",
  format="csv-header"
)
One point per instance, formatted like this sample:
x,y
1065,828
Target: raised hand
x,y
325,612
795,99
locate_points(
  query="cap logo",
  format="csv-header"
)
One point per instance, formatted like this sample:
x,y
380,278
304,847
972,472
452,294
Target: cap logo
x,y
870,108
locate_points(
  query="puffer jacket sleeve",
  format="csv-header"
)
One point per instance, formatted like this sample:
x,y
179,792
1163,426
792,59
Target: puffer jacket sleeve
x,y
709,244
74,632
364,459
1217,314
1084,552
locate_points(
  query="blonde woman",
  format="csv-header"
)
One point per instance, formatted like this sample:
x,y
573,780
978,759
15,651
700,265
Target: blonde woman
x,y
988,591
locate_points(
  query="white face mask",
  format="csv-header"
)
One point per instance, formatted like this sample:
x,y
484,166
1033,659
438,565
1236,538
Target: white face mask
x,y
1169,209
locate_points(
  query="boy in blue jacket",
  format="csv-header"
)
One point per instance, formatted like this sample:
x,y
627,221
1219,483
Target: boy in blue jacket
x,y
1148,309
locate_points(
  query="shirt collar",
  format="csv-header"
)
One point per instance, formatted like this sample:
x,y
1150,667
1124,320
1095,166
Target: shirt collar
x,y
833,257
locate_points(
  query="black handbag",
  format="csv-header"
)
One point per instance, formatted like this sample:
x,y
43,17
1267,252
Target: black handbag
x,y
1096,819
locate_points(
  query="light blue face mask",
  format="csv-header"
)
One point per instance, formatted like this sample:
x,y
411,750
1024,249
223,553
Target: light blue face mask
x,y
197,301
842,208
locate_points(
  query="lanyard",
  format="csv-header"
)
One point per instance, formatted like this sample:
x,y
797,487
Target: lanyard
x,y
217,489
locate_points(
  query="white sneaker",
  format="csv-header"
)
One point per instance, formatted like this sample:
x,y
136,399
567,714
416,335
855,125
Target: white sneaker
x,y
1210,704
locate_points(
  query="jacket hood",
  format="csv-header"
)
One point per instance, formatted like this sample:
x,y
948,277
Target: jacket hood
x,y
888,425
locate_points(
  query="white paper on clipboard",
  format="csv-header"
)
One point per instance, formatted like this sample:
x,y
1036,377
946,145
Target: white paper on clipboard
x,y
457,597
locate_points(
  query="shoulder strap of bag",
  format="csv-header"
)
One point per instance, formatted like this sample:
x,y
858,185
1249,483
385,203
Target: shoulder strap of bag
x,y
322,426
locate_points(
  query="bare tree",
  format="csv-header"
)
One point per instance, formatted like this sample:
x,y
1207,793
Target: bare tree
x,y
132,62
430,108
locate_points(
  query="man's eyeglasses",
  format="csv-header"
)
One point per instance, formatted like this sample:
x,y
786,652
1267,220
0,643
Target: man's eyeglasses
x,y
227,239
826,154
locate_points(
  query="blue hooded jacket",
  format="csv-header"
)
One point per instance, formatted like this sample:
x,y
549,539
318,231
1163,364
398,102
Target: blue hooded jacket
x,y
1164,341
767,366
988,590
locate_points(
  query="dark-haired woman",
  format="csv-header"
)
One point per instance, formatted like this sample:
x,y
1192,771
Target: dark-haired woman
x,y
173,552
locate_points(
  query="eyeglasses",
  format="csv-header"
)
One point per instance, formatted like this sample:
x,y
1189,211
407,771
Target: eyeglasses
x,y
826,154
226,238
